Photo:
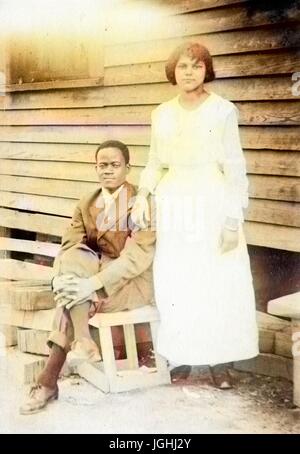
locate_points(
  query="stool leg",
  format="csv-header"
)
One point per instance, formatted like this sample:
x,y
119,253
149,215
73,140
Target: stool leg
x,y
296,356
161,363
107,350
130,344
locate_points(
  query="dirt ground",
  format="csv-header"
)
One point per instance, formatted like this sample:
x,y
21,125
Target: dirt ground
x,y
255,405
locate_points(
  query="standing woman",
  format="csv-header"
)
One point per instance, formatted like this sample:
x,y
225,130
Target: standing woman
x,y
202,276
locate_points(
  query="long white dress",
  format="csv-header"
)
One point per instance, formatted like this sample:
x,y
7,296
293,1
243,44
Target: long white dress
x,y
205,298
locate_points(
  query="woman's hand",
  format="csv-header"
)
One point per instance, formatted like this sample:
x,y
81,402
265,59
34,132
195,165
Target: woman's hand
x,y
229,240
140,214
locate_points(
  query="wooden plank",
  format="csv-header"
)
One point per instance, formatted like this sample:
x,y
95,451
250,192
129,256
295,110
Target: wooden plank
x,y
254,137
17,270
236,65
263,187
210,21
24,367
263,161
131,348
31,247
75,134
270,137
260,234
274,188
31,298
41,320
41,204
48,151
267,364
55,99
33,341
230,42
180,6
52,225
236,89
251,113
274,212
82,175
10,334
63,152
273,162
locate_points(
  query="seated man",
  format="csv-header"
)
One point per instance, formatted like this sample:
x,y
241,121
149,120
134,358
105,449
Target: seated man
x,y
104,264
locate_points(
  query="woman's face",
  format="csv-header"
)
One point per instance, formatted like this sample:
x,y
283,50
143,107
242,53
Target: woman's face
x,y
189,73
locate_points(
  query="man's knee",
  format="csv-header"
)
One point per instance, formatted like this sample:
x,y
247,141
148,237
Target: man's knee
x,y
79,260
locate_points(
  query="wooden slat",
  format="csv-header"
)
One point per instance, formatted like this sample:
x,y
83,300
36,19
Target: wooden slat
x,y
48,151
237,89
273,236
251,113
274,188
274,212
180,6
254,137
214,20
252,64
16,270
31,247
271,162
268,211
41,204
263,187
33,222
218,44
260,234
270,137
78,172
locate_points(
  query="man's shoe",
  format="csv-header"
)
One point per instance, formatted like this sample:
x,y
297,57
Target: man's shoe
x,y
39,397
83,350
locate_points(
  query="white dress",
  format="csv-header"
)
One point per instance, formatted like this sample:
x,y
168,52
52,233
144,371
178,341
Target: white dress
x,y
205,298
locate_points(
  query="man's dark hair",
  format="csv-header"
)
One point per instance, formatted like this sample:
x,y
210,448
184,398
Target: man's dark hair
x,y
114,144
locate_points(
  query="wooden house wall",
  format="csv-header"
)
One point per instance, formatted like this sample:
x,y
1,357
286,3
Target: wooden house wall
x,y
48,137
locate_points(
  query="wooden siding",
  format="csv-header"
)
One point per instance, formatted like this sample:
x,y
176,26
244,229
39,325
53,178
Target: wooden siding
x,y
48,138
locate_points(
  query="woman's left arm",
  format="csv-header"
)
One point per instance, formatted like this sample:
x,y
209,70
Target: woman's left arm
x,y
234,167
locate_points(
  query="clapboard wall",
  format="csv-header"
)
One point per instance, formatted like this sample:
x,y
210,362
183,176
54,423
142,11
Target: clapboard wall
x,y
48,137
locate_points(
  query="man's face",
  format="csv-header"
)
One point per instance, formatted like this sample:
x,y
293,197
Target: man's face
x,y
111,168
189,73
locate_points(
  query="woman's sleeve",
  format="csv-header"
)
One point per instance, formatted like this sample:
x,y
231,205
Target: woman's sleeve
x,y
152,173
234,166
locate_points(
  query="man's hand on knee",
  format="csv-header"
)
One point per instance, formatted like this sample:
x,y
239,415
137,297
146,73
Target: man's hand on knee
x,y
75,291
59,282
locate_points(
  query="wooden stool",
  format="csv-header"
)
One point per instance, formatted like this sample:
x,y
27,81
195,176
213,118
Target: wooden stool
x,y
111,375
289,306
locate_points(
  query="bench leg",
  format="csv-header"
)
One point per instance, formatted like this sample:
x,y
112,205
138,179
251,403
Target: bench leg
x,y
130,344
161,363
107,350
296,356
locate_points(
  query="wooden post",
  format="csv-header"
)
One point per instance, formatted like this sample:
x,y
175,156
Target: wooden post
x,y
296,355
130,344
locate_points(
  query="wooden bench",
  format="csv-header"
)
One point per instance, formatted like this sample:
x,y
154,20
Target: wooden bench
x,y
113,375
289,306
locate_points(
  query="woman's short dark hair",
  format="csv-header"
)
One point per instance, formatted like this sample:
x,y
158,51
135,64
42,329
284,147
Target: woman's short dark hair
x,y
197,52
114,144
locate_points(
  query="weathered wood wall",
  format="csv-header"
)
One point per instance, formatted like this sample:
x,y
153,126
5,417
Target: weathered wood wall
x,y
48,138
